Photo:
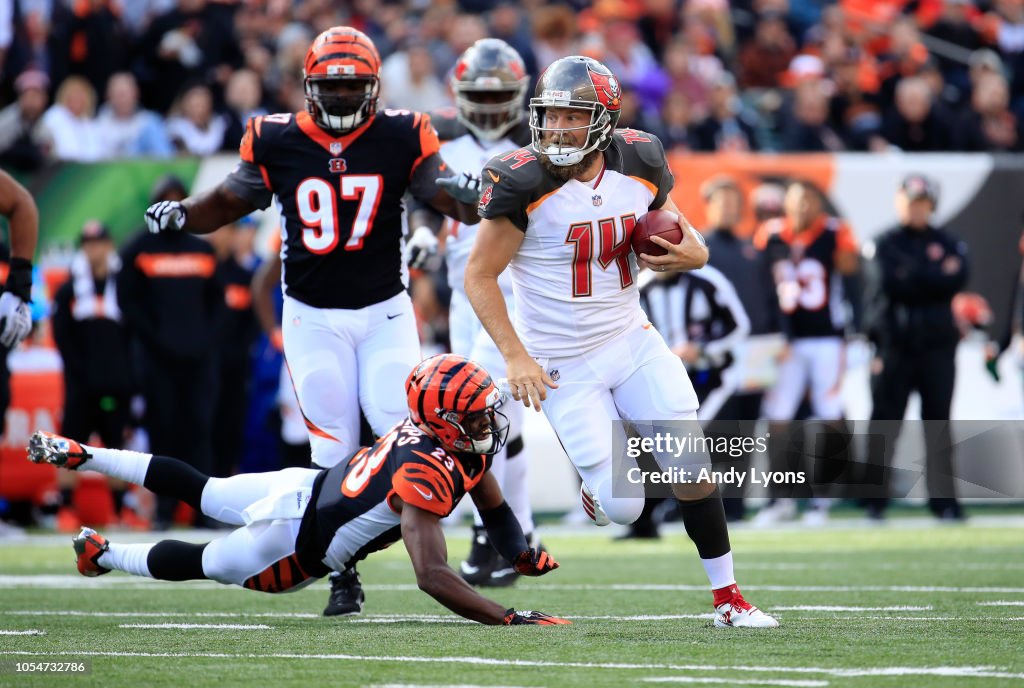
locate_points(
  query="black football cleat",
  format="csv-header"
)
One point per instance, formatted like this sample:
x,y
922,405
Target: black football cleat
x,y
347,596
477,568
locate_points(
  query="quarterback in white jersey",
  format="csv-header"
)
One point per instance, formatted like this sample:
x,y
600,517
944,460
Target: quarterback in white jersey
x,y
560,212
489,81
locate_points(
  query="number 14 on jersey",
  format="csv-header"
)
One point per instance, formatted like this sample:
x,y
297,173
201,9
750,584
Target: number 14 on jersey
x,y
613,247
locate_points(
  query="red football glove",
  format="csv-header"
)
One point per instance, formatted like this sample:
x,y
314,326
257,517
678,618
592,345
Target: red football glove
x,y
534,562
528,618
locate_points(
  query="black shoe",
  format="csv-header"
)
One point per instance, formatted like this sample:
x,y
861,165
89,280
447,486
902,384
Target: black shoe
x,y
502,574
946,509
642,532
477,568
346,594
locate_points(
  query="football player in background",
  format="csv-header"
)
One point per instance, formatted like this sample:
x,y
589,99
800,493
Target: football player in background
x,y
337,172
559,213
808,252
297,524
489,82
17,205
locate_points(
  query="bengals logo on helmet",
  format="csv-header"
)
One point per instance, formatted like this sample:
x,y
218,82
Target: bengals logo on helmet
x,y
607,88
442,391
342,51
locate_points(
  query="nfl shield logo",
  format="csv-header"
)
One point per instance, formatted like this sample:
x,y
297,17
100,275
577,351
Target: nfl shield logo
x,y
597,200
335,148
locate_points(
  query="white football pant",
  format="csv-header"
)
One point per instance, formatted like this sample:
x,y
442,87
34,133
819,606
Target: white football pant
x,y
342,360
634,377
815,363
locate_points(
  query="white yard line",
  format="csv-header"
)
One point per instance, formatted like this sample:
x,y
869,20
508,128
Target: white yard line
x,y
76,582
438,685
450,618
831,608
160,615
189,627
1002,603
961,671
30,631
796,683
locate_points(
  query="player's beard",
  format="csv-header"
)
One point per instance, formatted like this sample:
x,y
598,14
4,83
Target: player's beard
x,y
567,172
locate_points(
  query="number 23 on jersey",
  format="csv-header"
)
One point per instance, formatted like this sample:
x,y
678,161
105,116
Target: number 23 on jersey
x,y
321,208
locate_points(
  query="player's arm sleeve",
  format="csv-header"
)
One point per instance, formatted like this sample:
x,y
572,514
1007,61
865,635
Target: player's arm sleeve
x,y
656,171
249,179
423,183
503,198
428,166
425,485
502,526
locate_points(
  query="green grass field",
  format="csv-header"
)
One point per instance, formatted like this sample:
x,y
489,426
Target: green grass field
x,y
908,604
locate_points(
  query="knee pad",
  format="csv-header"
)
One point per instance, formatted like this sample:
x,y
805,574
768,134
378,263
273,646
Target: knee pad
x,y
621,510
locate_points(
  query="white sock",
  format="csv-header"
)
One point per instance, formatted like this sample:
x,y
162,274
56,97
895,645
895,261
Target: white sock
x,y
517,492
720,571
119,463
128,558
498,462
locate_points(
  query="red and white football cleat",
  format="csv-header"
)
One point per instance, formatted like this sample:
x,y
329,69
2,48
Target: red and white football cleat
x,y
593,507
47,447
732,611
89,546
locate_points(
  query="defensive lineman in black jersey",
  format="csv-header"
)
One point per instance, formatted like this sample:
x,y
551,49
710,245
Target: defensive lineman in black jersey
x,y
337,173
297,524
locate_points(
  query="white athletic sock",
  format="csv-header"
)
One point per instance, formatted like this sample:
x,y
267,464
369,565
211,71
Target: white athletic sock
x,y
128,558
720,571
517,492
119,463
498,463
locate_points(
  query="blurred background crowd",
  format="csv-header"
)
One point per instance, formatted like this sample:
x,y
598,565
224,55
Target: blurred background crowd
x,y
90,80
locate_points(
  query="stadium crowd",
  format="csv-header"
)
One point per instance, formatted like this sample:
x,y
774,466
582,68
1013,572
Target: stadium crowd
x,y
99,79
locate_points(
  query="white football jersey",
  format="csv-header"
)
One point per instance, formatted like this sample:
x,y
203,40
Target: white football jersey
x,y
465,153
574,275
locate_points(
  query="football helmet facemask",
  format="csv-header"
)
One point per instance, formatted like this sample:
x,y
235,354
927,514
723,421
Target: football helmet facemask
x,y
575,82
341,78
489,82
455,401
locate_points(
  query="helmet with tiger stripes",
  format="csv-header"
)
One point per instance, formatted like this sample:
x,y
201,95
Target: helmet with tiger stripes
x,y
342,55
454,400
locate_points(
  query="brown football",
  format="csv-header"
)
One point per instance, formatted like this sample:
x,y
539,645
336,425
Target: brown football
x,y
663,223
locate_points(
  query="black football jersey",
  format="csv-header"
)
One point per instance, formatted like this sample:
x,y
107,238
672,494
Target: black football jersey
x,y
808,285
351,513
340,199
